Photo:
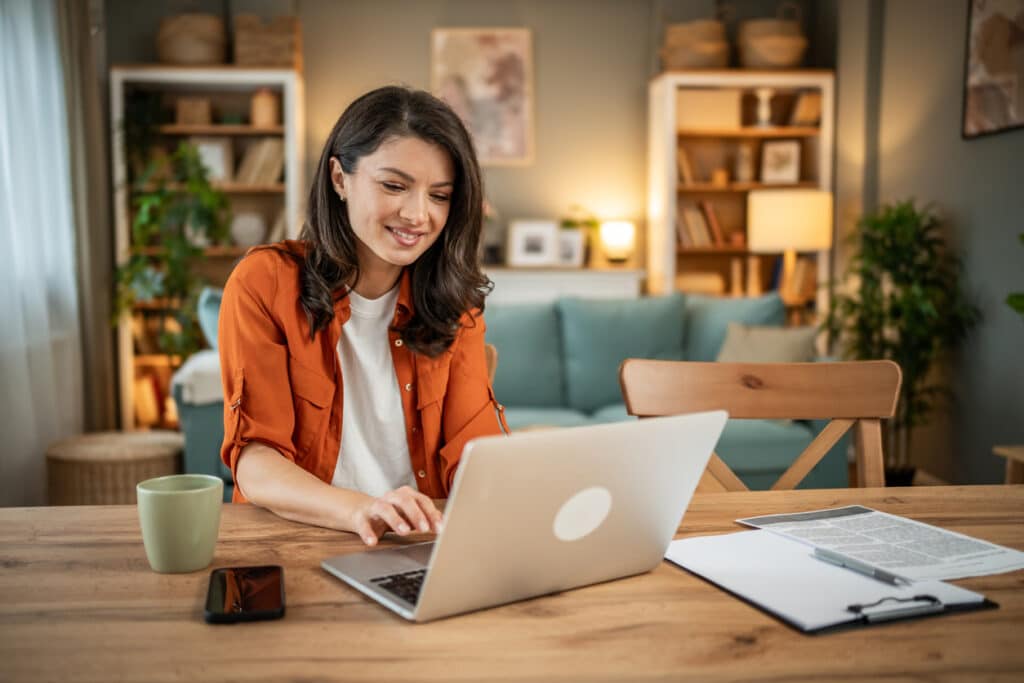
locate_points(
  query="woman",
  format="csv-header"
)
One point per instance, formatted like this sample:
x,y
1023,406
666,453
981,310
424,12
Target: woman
x,y
353,359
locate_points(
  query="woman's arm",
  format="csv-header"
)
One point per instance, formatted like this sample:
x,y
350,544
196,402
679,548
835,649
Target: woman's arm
x,y
269,480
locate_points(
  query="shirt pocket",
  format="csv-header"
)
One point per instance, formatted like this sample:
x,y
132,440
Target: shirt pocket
x,y
312,395
431,380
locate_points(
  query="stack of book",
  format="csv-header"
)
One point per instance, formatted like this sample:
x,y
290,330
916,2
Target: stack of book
x,y
262,163
697,225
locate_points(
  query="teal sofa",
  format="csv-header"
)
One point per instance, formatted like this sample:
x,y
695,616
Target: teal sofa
x,y
558,366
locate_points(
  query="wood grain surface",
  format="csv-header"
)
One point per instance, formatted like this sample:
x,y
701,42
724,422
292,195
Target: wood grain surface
x,y
79,602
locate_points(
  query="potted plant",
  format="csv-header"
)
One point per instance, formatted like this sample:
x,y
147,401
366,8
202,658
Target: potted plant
x,y
176,213
1016,300
902,300
581,219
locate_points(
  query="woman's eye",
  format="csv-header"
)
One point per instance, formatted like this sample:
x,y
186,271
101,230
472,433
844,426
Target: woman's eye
x,y
393,187
440,197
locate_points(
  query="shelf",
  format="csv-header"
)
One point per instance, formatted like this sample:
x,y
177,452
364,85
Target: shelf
x,y
219,129
705,188
223,250
156,360
712,251
227,188
753,132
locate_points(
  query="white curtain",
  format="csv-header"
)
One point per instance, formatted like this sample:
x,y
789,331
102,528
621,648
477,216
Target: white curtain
x,y
40,352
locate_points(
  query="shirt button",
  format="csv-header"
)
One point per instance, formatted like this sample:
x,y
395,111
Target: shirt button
x,y
398,342
422,474
408,387
415,429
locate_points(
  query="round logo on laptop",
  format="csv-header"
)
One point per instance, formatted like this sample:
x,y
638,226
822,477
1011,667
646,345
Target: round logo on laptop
x,y
582,513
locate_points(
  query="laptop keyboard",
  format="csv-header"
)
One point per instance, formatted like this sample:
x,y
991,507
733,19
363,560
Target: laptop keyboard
x,y
405,585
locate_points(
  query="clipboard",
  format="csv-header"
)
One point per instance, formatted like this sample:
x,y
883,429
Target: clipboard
x,y
783,578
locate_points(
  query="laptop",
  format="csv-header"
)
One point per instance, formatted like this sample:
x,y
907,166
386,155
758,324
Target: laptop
x,y
544,511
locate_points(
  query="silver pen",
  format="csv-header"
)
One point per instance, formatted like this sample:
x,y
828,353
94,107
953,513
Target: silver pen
x,y
841,560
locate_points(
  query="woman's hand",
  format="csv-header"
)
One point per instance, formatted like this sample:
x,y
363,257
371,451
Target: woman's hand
x,y
404,511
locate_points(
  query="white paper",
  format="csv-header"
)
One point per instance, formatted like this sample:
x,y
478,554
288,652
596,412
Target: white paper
x,y
899,545
784,578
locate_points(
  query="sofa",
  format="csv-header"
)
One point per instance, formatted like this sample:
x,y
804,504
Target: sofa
x,y
558,367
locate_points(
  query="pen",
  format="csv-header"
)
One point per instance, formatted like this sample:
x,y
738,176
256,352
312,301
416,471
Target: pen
x,y
860,567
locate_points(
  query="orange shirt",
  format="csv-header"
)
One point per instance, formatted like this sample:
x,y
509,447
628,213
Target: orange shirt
x,y
284,390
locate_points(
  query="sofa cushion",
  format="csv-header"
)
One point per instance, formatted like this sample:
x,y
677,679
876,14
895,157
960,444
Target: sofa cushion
x,y
529,348
613,413
759,451
208,311
520,418
756,344
707,318
599,334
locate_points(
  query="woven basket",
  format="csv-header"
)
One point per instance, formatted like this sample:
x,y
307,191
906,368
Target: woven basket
x,y
103,468
274,43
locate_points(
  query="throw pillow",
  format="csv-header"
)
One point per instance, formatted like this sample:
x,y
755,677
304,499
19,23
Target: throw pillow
x,y
708,316
750,344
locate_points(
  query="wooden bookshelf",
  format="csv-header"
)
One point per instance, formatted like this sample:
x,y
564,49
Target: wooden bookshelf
x,y
219,129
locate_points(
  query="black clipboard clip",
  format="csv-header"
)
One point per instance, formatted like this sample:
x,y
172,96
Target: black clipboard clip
x,y
903,608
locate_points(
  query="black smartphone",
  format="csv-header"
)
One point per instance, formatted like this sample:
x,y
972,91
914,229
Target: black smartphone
x,y
245,594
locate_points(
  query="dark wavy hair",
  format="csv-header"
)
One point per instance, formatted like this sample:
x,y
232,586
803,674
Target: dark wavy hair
x,y
446,279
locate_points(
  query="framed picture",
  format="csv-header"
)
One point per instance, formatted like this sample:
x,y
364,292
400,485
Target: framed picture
x,y
993,69
486,76
780,161
533,243
217,156
571,242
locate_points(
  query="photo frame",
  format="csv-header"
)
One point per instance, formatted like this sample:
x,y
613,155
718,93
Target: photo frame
x,y
993,77
486,76
780,161
217,155
571,247
533,243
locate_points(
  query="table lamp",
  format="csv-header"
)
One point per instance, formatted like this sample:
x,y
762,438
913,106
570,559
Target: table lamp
x,y
618,239
787,221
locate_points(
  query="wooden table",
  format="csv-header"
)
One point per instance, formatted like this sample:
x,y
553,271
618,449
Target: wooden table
x,y
79,602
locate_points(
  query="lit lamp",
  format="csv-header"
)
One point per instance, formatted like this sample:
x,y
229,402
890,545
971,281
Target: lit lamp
x,y
786,221
618,239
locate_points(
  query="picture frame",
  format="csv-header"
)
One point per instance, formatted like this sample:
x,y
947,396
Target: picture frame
x,y
533,243
217,155
993,91
486,76
571,247
780,162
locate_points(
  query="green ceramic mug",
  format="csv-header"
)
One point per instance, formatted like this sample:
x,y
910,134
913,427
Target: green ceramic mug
x,y
180,518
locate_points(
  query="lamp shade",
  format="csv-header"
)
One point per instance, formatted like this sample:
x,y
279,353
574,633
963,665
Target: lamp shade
x,y
618,238
789,220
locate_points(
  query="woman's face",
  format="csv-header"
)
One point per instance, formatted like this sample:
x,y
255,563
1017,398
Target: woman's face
x,y
398,200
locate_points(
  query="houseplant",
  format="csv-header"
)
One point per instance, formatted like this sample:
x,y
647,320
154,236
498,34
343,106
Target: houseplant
x,y
902,300
176,213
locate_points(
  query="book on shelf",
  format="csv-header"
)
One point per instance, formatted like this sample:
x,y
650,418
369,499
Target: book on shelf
x,y
262,163
718,238
686,176
681,232
696,226
277,230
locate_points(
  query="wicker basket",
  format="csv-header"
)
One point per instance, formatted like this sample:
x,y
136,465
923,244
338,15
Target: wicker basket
x,y
275,43
103,468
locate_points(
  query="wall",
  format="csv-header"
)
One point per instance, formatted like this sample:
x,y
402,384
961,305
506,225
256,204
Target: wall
x,y
917,152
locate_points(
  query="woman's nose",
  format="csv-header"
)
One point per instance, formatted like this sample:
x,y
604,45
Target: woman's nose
x,y
414,209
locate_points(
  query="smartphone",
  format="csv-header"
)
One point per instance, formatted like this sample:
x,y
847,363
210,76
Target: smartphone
x,y
245,594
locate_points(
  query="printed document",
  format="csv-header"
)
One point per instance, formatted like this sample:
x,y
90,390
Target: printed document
x,y
899,545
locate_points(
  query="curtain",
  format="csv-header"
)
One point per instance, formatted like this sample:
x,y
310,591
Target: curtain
x,y
40,354
83,54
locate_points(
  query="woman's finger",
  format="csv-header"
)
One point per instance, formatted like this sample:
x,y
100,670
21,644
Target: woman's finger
x,y
386,510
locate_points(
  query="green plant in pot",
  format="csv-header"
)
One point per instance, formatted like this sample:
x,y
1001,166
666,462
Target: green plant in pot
x,y
176,213
902,300
1016,300
581,219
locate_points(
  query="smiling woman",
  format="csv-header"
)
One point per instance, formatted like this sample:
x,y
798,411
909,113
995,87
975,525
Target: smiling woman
x,y
377,308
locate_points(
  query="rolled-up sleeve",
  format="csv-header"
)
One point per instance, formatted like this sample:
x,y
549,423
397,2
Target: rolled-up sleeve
x,y
470,409
254,363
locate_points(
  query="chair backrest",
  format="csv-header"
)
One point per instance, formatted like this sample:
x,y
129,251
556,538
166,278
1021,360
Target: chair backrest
x,y
855,394
491,356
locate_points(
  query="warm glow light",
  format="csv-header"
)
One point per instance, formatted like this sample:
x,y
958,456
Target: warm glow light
x,y
778,220
618,239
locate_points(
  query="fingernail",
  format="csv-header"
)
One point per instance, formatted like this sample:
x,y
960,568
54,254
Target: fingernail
x,y
404,528
439,525
370,540
424,526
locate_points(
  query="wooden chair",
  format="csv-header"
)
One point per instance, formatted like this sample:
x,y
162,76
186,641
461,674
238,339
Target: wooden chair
x,y
850,394
491,356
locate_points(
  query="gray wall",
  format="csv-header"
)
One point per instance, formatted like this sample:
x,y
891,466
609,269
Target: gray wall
x,y
902,139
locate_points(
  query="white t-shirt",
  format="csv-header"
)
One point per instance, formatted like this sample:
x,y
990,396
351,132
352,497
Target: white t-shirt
x,y
374,453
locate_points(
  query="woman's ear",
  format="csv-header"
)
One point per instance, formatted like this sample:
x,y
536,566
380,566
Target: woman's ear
x,y
337,178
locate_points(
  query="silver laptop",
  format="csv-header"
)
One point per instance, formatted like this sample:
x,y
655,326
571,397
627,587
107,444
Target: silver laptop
x,y
544,511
